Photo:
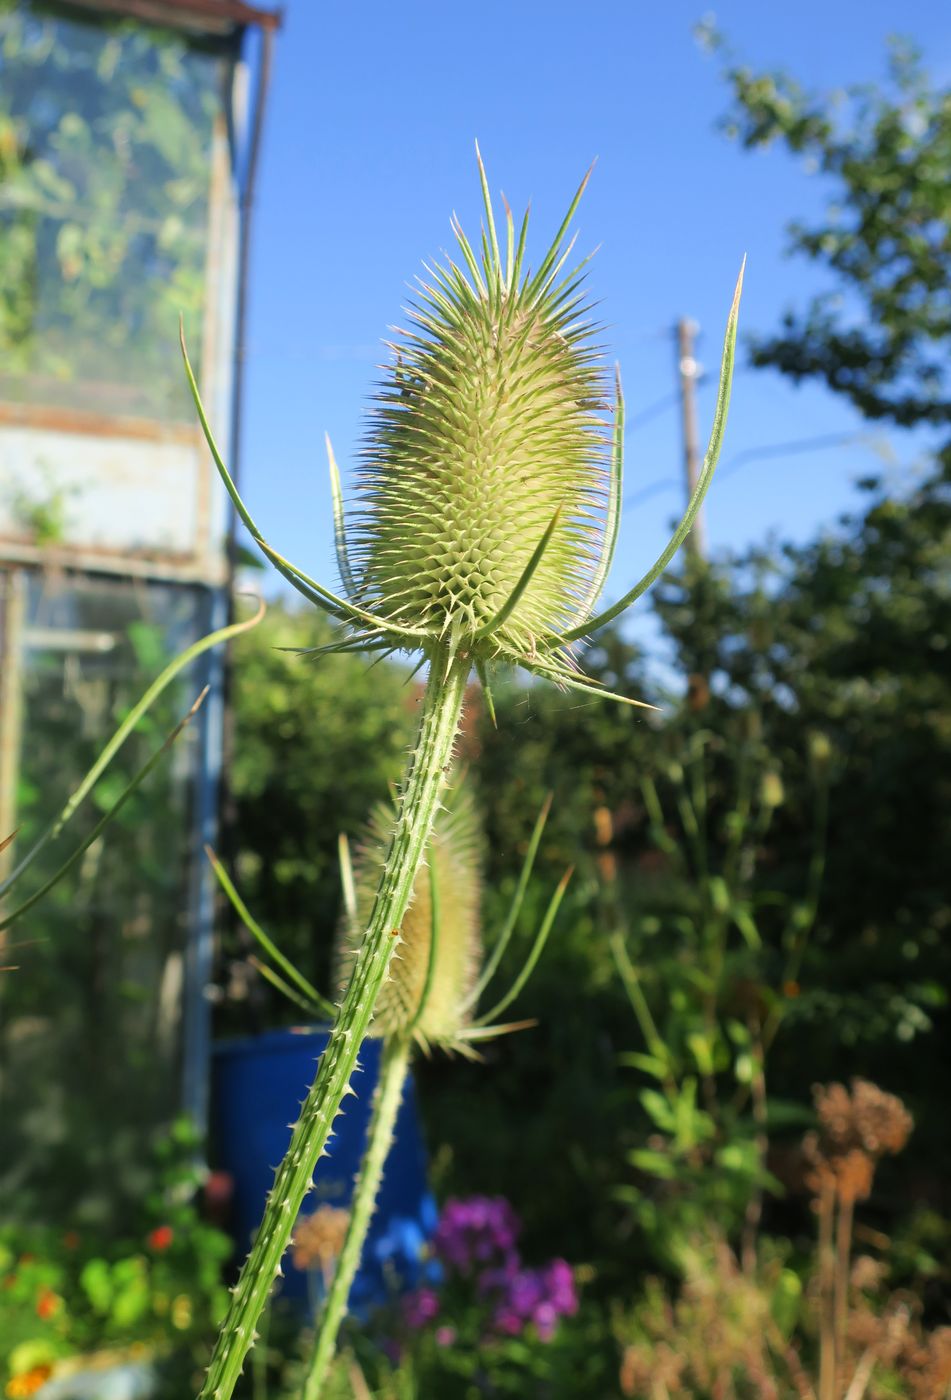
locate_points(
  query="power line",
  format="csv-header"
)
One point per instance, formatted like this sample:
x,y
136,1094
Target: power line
x,y
793,448
787,449
660,406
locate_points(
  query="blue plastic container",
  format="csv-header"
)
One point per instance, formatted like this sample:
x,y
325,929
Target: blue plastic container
x,y
258,1086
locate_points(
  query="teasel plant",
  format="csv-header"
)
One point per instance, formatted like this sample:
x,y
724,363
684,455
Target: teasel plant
x,y
488,499
439,971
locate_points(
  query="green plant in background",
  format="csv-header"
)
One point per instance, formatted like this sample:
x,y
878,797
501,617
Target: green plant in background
x,y
752,1331
66,1088
726,1331
709,953
490,500
848,632
69,1302
294,786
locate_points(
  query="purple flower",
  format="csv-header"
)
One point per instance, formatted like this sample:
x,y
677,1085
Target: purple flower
x,y
526,1292
507,1320
420,1307
559,1283
476,1238
477,1230
545,1319
445,1336
537,1297
500,1278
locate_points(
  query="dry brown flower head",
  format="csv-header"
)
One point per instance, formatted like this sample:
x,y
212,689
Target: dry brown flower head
x,y
867,1117
856,1128
318,1238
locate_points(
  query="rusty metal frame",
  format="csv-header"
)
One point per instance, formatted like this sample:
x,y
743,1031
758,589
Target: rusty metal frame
x,y
11,703
202,16
95,424
205,560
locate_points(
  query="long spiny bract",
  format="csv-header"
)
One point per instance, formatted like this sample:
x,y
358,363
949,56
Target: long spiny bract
x,y
488,431
428,988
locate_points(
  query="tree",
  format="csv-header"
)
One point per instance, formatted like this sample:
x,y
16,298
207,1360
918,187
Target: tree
x,y
849,635
880,336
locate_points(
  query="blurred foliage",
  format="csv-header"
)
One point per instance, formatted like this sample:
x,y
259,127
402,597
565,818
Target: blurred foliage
x,y
90,1014
752,1334
151,1296
454,1361
709,952
105,139
848,636
317,745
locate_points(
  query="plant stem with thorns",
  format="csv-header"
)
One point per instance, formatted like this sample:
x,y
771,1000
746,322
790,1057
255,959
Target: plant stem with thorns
x,y
426,776
386,1103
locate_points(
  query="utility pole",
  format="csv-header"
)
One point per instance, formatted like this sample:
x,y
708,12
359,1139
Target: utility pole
x,y
688,372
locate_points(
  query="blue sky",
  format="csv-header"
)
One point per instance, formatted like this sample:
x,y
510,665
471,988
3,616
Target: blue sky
x,y
369,148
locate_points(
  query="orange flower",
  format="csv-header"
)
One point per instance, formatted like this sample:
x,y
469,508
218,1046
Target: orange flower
x,y
160,1238
48,1303
28,1382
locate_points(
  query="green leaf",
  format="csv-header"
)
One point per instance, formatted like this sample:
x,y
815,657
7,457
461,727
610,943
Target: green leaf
x,y
650,1064
96,1282
720,896
747,927
654,1163
659,1109
701,1049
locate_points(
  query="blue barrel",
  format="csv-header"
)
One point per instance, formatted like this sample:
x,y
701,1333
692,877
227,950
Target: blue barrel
x,y
258,1086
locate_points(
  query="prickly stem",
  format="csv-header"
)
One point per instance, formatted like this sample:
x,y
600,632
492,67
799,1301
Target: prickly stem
x,y
425,778
386,1102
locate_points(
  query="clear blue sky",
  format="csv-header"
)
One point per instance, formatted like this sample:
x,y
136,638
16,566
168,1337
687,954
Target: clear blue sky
x,y
369,147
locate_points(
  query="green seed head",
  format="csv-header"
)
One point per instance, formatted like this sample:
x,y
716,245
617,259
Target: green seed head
x,y
427,987
488,431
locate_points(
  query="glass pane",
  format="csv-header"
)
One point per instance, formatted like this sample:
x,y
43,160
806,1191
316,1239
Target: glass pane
x,y
105,170
90,1021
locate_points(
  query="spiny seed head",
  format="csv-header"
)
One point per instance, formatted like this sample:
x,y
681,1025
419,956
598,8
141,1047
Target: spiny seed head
x,y
415,997
488,430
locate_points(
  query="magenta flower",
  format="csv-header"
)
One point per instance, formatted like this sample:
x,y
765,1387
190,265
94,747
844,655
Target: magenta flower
x,y
420,1307
536,1297
476,1239
478,1230
559,1282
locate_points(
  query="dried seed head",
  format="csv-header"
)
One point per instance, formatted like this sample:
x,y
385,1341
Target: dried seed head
x,y
867,1117
319,1237
488,431
426,999
856,1128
